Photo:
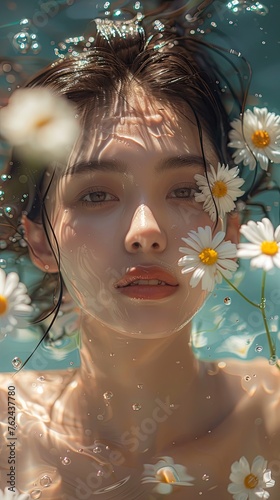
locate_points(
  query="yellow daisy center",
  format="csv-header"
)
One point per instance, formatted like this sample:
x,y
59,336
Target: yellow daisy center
x,y
261,139
3,304
165,475
251,481
208,256
43,122
219,189
269,247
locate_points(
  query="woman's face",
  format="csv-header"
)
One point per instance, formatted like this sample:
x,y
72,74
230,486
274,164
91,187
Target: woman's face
x,y
119,212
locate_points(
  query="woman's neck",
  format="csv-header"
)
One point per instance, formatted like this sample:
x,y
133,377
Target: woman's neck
x,y
135,379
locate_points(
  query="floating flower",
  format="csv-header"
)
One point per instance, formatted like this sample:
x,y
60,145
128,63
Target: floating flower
x,y
249,483
222,186
166,475
42,126
207,258
258,139
14,302
13,495
264,249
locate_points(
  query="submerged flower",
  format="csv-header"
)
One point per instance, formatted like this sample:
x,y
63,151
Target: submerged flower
x,y
222,186
207,258
166,475
14,302
258,139
264,249
248,483
42,126
13,495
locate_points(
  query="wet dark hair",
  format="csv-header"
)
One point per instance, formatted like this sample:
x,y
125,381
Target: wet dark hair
x,y
175,69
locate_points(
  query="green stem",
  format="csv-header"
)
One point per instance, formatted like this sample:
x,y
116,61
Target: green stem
x,y
262,308
240,293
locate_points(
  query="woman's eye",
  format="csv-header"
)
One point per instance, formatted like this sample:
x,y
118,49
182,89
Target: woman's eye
x,y
97,197
183,192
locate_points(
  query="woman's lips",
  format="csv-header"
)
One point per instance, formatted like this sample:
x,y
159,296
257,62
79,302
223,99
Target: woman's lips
x,y
147,283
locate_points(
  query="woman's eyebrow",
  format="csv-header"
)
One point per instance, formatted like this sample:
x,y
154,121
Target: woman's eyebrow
x,y
182,161
89,166
173,162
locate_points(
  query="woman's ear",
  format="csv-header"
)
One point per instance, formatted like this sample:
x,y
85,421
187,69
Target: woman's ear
x,y
233,226
40,251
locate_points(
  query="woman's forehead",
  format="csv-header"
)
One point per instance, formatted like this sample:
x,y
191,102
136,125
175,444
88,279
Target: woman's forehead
x,y
139,121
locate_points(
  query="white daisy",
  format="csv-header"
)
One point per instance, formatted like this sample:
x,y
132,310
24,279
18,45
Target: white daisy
x,y
223,187
264,246
13,495
42,126
165,474
14,302
248,483
258,140
207,258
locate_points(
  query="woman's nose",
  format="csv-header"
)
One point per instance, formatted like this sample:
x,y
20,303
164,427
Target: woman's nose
x,y
144,234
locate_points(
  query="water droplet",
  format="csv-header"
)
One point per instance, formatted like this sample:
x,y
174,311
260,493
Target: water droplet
x,y
16,362
45,481
41,378
100,473
227,301
3,244
100,417
205,477
66,461
3,264
136,406
273,360
112,354
247,378
25,23
108,395
96,449
259,348
9,212
36,47
35,494
208,397
140,386
21,42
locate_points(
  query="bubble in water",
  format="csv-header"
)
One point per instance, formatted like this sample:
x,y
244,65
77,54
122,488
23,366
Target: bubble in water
x,y
136,406
36,47
66,461
21,42
140,386
205,477
227,301
108,395
16,362
3,263
3,244
273,360
259,348
25,23
35,494
96,449
247,378
45,481
100,473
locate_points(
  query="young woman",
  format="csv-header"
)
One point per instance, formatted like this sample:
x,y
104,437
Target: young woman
x,y
141,417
